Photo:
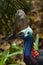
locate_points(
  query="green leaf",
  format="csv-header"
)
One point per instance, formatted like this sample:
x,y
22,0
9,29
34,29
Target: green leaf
x,y
4,57
36,42
13,64
15,53
14,47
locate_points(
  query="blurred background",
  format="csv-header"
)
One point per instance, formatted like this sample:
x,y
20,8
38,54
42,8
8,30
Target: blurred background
x,y
34,12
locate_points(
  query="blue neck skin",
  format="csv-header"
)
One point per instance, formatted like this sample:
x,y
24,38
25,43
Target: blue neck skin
x,y
28,43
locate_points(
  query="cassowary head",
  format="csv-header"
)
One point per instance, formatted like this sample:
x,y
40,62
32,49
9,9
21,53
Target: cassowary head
x,y
20,21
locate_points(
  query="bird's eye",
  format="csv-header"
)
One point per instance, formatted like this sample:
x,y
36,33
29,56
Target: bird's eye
x,y
28,32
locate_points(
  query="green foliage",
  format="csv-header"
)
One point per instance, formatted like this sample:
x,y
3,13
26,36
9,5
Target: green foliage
x,y
4,57
7,56
36,42
8,9
14,47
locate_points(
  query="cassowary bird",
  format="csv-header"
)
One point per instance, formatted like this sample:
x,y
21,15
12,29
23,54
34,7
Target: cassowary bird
x,y
27,49
22,30
28,44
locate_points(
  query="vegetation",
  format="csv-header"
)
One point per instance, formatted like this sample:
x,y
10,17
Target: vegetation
x,y
8,8
8,56
14,51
